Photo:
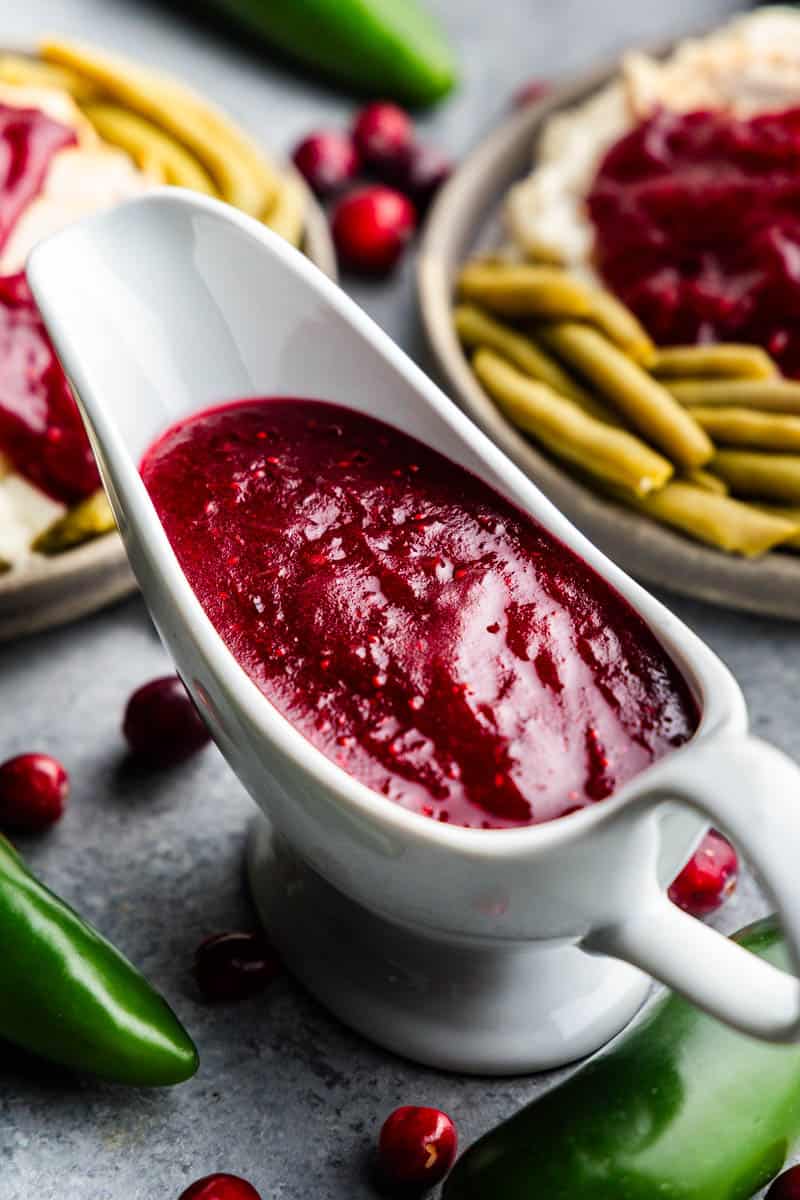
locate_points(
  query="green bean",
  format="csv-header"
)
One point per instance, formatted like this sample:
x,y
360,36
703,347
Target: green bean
x,y
722,360
87,519
789,514
768,395
620,325
146,143
568,432
237,166
524,290
755,473
476,328
705,480
747,427
21,70
643,401
716,520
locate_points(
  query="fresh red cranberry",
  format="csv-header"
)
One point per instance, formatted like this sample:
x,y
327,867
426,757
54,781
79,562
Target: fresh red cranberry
x,y
384,135
708,878
786,1186
232,966
531,92
33,791
220,1187
417,1146
371,228
423,174
161,723
327,160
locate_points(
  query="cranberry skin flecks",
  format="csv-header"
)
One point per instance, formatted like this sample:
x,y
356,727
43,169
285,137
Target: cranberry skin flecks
x,y
709,877
384,135
786,1186
417,1146
33,791
371,228
232,966
418,629
327,160
220,1187
162,725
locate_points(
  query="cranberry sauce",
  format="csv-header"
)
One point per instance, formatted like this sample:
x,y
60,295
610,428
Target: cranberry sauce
x,y
697,221
28,141
417,628
40,428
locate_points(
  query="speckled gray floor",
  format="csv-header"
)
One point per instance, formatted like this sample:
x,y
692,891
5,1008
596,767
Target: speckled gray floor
x,y
285,1095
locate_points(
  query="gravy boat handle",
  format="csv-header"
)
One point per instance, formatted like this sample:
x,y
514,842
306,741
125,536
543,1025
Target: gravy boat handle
x,y
751,791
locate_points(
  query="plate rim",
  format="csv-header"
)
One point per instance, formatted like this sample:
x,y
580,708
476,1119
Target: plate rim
x,y
46,585
653,553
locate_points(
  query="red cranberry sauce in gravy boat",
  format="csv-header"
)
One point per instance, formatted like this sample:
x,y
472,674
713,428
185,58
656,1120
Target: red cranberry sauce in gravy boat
x,y
421,631
40,427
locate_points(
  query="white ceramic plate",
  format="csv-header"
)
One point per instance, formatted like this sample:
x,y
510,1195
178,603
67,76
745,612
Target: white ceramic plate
x,y
464,219
42,592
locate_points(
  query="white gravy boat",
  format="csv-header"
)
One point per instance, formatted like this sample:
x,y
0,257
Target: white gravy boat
x,y
485,951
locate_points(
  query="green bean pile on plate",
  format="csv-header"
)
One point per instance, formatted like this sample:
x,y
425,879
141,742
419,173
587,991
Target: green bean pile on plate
x,y
705,439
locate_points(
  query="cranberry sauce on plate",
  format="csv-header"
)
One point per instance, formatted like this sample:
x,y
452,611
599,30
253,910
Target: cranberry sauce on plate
x,y
421,631
40,427
697,222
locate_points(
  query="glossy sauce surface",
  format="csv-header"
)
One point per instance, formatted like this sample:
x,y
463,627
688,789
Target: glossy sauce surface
x,y
40,427
697,222
422,632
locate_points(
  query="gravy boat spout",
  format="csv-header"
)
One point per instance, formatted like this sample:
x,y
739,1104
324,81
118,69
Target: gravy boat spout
x,y
480,950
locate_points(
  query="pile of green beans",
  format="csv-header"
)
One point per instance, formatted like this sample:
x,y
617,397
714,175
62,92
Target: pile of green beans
x,y
705,439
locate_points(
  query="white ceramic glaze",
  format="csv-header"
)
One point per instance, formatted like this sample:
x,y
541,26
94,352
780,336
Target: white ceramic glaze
x,y
174,302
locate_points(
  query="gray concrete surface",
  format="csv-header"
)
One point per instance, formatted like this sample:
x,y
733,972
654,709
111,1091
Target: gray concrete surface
x,y
285,1095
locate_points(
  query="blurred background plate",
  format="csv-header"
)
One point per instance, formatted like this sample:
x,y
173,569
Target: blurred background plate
x,y
465,219
42,592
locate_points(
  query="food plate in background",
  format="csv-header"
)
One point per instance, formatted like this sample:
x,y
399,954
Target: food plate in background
x,y
464,220
40,591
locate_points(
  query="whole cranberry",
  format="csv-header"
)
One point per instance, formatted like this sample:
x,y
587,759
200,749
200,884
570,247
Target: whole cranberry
x,y
531,92
371,228
708,878
786,1186
232,966
417,1146
327,160
423,173
161,723
383,134
33,791
220,1187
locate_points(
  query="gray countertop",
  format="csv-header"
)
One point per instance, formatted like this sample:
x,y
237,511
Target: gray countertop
x,y
285,1095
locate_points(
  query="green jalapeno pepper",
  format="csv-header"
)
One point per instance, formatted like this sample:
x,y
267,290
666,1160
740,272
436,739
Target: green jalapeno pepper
x,y
679,1108
69,996
383,47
